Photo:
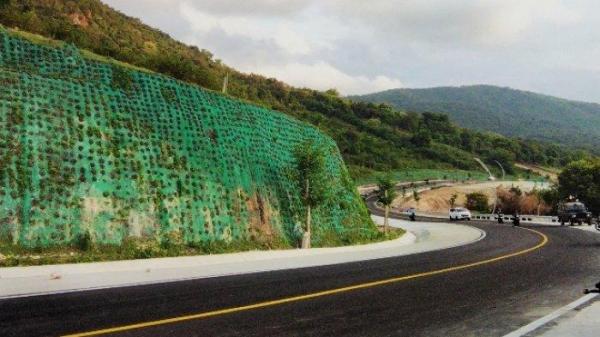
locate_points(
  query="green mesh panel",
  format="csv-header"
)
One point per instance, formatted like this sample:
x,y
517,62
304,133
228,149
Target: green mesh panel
x,y
91,147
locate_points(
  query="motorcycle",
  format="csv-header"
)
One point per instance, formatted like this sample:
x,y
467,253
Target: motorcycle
x,y
591,291
412,217
516,220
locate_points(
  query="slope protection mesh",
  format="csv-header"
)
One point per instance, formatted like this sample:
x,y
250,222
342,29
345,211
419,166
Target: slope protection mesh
x,y
92,147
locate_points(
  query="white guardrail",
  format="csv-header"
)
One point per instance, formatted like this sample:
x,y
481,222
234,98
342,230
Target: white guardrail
x,y
524,218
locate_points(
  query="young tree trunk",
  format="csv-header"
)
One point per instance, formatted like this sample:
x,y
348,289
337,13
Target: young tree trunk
x,y
387,214
385,219
306,235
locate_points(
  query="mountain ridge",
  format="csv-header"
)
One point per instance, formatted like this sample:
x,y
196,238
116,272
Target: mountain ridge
x,y
503,110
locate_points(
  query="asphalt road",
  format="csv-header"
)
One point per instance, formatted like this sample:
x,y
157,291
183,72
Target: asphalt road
x,y
491,299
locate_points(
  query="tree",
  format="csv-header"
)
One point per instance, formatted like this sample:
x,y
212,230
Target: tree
x,y
551,197
452,200
509,201
311,179
421,138
386,193
416,196
581,179
478,202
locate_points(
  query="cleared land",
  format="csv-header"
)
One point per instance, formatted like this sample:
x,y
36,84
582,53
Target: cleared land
x,y
437,200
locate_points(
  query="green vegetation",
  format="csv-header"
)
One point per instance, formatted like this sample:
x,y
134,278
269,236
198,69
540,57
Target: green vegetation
x,y
581,180
477,201
365,176
386,194
310,175
131,248
505,111
416,196
370,136
93,156
452,200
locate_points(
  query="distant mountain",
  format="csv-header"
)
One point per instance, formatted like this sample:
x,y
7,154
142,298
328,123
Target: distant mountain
x,y
505,111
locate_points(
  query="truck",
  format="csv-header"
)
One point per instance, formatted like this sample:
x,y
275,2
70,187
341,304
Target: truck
x,y
574,212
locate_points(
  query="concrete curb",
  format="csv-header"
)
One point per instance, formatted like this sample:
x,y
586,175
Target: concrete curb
x,y
55,279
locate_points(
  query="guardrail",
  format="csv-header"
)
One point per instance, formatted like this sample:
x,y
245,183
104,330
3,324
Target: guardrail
x,y
523,217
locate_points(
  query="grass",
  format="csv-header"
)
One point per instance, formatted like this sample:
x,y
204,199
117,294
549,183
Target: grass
x,y
364,177
44,41
132,248
138,248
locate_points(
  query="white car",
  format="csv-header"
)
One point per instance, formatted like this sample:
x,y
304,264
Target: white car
x,y
460,213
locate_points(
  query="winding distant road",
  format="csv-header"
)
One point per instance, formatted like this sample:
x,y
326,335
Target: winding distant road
x,y
488,288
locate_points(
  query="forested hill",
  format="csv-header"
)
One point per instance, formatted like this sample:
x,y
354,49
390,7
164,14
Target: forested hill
x,y
503,110
371,136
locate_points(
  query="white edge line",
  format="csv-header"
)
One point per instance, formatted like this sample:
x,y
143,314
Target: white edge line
x,y
482,236
551,317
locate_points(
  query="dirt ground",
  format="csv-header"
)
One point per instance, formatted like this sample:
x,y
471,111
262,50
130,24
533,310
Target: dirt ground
x,y
438,200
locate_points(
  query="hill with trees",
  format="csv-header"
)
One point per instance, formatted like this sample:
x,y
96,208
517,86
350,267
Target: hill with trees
x,y
369,136
505,111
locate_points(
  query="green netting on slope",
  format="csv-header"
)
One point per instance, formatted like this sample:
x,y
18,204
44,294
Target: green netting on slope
x,y
90,147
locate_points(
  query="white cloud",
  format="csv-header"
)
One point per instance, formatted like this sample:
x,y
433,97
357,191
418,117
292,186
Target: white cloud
x,y
247,26
440,22
510,20
323,76
361,46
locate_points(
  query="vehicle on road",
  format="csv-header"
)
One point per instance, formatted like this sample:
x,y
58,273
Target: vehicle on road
x,y
409,211
574,213
516,220
412,213
460,213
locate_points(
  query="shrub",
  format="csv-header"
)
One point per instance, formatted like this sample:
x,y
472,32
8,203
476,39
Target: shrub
x,y
83,241
509,201
122,79
478,202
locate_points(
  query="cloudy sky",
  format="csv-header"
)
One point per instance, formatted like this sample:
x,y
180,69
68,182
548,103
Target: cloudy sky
x,y
358,46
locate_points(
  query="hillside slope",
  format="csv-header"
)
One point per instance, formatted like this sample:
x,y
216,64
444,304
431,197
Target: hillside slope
x,y
505,111
93,150
368,135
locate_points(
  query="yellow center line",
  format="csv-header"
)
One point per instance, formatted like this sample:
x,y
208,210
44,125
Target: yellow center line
x,y
310,295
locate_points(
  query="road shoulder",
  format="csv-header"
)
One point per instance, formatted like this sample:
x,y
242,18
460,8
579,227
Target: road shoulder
x,y
51,279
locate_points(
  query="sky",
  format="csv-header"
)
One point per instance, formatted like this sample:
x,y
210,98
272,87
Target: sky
x,y
358,46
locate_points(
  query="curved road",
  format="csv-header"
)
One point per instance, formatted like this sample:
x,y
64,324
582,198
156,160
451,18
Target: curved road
x,y
450,293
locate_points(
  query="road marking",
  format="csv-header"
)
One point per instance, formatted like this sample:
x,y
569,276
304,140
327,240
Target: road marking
x,y
550,317
324,293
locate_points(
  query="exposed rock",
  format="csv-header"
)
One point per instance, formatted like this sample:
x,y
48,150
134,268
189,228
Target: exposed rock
x,y
80,19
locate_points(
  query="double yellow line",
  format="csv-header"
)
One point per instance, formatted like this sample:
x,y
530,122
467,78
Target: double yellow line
x,y
309,296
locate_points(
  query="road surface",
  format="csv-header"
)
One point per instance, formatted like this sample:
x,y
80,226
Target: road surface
x,y
488,288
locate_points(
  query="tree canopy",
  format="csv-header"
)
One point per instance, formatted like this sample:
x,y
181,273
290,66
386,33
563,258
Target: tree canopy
x,y
581,179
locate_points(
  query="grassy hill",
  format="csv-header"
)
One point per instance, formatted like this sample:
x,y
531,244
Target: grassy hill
x,y
369,136
505,111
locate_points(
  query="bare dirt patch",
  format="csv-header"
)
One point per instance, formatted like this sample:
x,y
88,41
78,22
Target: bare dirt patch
x,y
437,201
